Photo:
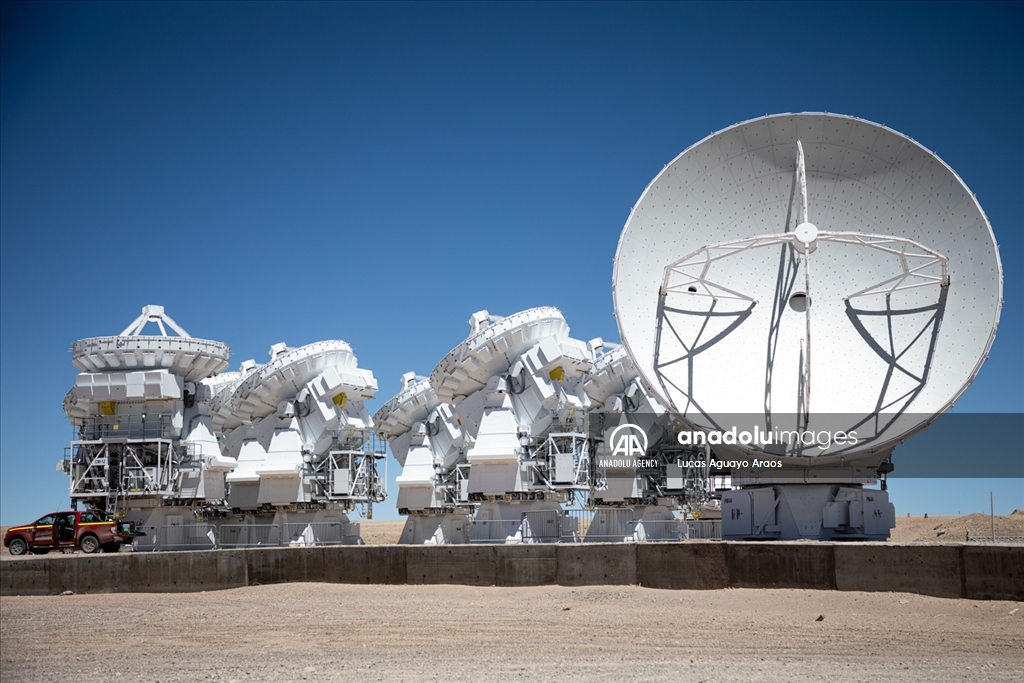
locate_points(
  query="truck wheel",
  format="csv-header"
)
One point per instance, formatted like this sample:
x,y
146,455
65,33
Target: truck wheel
x,y
18,546
111,547
90,544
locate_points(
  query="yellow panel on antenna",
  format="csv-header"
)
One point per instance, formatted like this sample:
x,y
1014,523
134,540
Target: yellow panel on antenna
x,y
108,407
340,400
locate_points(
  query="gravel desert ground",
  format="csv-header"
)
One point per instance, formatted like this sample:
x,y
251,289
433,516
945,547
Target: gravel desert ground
x,y
332,632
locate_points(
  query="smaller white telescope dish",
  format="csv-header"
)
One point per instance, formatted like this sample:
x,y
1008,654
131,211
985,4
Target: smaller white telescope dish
x,y
513,387
635,502
400,414
303,439
612,373
190,358
493,348
415,416
262,391
429,443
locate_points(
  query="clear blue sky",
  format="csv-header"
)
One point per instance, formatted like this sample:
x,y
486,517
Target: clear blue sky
x,y
378,172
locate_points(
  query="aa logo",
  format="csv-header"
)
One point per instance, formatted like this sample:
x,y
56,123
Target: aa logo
x,y
628,440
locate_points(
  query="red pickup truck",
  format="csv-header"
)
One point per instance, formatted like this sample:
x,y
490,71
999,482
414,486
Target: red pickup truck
x,y
89,530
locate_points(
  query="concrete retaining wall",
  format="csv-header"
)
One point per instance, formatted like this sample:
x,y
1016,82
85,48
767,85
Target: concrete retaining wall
x,y
977,572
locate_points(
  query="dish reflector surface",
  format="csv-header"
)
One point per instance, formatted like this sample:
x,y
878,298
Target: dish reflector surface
x,y
808,264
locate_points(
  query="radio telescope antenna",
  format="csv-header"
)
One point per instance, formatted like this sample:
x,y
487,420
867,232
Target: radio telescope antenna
x,y
303,439
428,441
145,445
515,385
794,227
193,359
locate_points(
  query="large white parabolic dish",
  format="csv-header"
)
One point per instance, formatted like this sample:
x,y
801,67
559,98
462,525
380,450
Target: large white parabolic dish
x,y
715,320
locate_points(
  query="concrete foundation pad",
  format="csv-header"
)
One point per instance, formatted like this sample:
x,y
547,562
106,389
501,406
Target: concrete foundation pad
x,y
471,565
183,571
25,577
699,565
307,563
981,572
781,565
993,572
526,565
266,565
926,569
597,564
365,564
92,574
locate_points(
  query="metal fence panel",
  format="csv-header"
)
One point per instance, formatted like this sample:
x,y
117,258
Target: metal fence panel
x,y
176,537
703,529
572,526
1005,540
315,533
541,526
611,525
659,530
495,531
147,542
249,535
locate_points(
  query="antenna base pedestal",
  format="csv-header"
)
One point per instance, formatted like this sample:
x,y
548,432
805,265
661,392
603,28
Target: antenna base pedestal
x,y
820,512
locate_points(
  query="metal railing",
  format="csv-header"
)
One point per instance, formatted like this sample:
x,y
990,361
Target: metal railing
x,y
315,533
987,538
176,537
495,531
248,535
703,529
659,531
577,523
612,525
545,526
205,536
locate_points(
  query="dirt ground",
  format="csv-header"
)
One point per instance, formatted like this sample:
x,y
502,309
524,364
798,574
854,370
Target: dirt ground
x,y
385,532
332,632
955,529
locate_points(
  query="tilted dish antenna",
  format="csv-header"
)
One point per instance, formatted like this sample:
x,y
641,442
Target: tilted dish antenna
x,y
190,358
263,388
492,347
399,415
799,266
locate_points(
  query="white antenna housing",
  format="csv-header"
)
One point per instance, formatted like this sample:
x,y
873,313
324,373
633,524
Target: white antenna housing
x,y
430,444
298,427
515,388
145,445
